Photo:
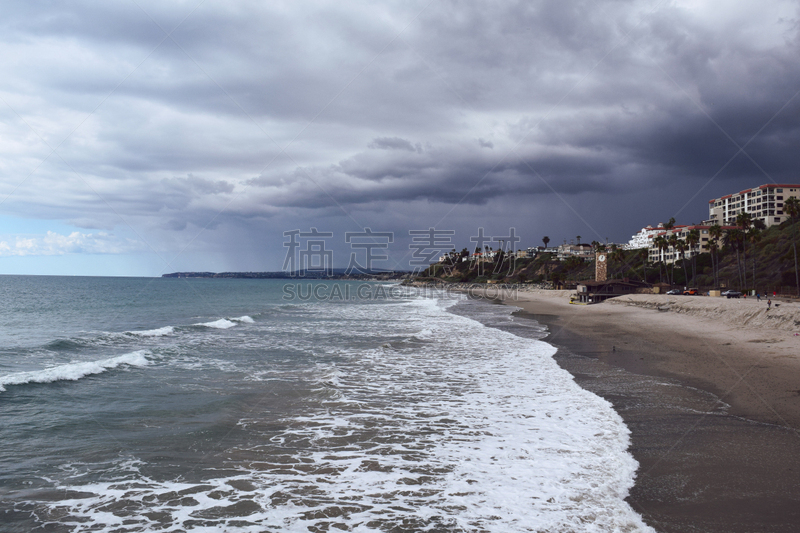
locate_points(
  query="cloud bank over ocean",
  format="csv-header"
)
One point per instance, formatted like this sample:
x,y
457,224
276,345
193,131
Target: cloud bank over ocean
x,y
194,134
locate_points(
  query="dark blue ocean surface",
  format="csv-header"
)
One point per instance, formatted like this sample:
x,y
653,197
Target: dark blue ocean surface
x,y
138,404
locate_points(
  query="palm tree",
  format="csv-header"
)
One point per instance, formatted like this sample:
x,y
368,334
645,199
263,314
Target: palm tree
x,y
578,238
792,208
643,253
617,255
673,243
754,236
692,240
712,248
715,232
732,239
680,246
744,220
661,244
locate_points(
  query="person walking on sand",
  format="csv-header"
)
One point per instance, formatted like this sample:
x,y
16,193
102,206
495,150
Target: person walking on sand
x,y
758,297
769,304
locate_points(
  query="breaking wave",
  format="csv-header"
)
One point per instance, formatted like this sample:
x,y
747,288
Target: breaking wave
x,y
158,332
74,371
225,323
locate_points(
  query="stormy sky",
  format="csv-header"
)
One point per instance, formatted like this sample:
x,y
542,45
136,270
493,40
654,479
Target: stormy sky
x,y
141,137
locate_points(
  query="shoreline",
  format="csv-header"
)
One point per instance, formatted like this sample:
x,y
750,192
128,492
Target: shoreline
x,y
713,407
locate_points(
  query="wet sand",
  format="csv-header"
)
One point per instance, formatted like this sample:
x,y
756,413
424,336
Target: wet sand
x,y
713,408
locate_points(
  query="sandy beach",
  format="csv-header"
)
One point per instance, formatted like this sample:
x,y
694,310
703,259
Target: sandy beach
x,y
710,389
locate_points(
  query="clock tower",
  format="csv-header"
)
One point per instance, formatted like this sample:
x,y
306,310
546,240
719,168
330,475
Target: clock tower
x,y
601,266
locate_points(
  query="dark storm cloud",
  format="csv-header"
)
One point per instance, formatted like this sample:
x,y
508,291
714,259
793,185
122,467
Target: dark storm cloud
x,y
195,186
257,112
392,143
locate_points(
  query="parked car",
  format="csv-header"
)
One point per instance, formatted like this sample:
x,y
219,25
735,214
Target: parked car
x,y
691,292
732,294
673,292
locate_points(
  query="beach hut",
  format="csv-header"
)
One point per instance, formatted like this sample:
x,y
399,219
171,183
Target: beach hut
x,y
600,291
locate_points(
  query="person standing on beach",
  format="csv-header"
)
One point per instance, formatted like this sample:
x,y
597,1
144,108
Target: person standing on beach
x,y
769,304
758,297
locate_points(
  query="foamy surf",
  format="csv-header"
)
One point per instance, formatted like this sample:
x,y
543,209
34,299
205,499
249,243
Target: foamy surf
x,y
470,429
158,332
225,323
74,371
222,323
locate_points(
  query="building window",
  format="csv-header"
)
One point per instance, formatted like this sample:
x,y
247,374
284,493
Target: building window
x,y
777,219
778,190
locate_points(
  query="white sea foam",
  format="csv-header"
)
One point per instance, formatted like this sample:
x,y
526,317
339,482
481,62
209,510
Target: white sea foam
x,y
225,323
473,430
74,371
222,323
158,332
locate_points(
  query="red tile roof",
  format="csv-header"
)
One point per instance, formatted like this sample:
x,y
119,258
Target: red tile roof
x,y
773,185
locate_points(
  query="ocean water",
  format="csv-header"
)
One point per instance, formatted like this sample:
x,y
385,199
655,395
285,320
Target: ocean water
x,y
133,404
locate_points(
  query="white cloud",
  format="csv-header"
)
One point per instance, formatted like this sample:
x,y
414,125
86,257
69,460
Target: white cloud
x,y
75,243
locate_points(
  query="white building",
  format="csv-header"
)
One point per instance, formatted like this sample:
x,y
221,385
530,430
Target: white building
x,y
644,239
764,203
584,250
670,255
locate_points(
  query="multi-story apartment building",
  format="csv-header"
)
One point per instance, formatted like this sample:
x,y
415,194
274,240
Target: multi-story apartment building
x,y
645,237
764,203
670,255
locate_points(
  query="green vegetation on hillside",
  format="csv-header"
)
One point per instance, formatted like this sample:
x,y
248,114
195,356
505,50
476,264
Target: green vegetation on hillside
x,y
751,258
